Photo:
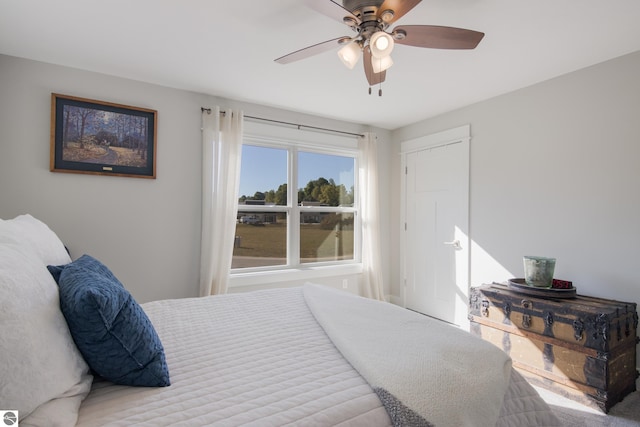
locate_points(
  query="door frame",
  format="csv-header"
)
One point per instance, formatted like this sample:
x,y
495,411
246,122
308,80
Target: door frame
x,y
439,139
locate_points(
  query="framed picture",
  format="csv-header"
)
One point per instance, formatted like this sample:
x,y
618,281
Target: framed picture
x,y
95,137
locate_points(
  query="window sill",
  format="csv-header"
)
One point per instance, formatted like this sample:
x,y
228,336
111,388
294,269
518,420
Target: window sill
x,y
300,274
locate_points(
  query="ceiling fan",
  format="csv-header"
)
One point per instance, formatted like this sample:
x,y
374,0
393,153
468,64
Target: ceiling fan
x,y
370,19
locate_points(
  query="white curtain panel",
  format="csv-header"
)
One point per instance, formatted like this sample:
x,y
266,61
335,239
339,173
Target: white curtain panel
x,y
372,283
221,152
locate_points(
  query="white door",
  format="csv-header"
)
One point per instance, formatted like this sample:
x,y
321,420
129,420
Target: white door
x,y
436,242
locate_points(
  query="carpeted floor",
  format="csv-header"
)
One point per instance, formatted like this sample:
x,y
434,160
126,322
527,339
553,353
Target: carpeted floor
x,y
572,414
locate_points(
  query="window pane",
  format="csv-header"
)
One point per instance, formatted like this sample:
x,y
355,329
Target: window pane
x,y
326,236
263,176
325,179
261,239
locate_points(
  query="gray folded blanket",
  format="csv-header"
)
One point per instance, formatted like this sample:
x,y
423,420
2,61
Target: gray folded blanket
x,y
425,372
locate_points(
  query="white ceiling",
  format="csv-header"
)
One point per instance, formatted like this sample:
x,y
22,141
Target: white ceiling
x,y
227,48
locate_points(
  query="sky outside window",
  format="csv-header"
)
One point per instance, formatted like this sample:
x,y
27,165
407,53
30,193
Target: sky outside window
x,y
264,169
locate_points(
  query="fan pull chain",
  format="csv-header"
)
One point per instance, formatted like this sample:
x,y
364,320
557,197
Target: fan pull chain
x,y
379,90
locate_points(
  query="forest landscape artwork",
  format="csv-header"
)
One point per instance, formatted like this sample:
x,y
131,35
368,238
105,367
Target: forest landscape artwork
x,y
97,137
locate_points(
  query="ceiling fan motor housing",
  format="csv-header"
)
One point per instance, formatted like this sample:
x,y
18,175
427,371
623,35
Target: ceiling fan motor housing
x,y
367,12
358,5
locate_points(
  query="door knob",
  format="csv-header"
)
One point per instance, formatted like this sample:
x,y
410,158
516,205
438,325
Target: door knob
x,y
454,243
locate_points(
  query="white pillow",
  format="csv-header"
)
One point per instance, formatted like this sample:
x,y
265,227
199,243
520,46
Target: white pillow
x,y
30,233
42,370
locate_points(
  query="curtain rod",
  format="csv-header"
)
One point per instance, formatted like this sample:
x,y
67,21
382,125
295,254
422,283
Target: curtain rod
x,y
299,126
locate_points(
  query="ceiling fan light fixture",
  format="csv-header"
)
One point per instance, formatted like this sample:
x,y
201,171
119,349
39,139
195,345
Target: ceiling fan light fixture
x,y
349,54
387,16
381,44
399,34
381,64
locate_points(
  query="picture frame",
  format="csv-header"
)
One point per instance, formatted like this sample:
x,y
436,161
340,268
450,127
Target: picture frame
x,y
102,138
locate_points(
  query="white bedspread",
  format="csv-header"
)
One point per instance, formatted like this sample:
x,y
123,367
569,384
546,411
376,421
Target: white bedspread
x,y
257,359
262,359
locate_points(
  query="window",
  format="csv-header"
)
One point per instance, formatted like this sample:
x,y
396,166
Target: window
x,y
316,224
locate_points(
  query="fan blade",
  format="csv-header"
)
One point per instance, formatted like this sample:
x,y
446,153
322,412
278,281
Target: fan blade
x,y
399,8
436,37
372,78
331,9
310,51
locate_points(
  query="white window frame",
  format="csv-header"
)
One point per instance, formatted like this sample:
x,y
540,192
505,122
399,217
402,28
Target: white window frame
x,y
294,141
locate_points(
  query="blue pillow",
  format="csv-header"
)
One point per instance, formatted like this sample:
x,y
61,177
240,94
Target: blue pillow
x,y
111,330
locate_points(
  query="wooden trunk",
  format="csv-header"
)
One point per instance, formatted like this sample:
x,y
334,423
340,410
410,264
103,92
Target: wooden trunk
x,y
582,347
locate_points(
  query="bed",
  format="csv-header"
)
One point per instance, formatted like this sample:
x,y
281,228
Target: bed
x,y
301,356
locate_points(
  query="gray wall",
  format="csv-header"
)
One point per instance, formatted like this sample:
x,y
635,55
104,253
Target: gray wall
x,y
554,172
146,231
